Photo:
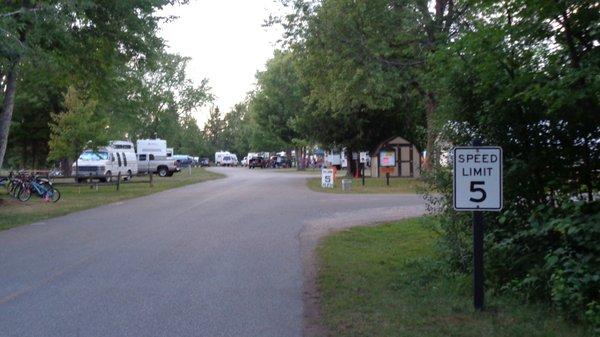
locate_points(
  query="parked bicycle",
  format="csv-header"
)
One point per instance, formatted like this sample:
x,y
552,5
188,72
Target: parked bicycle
x,y
40,186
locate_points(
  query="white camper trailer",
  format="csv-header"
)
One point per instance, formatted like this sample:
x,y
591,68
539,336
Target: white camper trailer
x,y
106,162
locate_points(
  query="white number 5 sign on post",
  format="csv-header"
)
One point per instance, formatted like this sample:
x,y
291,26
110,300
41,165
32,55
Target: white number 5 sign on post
x,y
477,178
327,178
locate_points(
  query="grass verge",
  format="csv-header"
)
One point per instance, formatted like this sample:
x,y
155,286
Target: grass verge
x,y
15,213
372,185
385,281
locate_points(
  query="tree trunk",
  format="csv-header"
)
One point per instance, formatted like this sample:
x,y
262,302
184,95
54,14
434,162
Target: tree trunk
x,y
351,164
431,106
8,106
300,158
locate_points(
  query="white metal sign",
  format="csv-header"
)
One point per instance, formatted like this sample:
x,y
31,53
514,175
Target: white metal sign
x,y
477,178
327,178
363,157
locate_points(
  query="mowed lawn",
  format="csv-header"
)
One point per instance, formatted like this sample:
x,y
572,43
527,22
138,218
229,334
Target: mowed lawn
x,y
372,185
14,213
385,281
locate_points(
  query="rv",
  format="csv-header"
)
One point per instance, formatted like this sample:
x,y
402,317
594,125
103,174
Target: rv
x,y
106,162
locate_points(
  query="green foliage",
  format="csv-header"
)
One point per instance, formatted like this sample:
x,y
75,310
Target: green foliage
x,y
75,129
111,51
567,266
522,78
277,104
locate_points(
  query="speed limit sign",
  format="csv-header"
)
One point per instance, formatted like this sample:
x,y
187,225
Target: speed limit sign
x,y
477,178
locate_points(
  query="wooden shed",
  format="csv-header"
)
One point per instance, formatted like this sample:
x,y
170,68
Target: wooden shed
x,y
406,159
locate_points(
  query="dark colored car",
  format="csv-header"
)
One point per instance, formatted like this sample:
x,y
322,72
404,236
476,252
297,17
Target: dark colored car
x,y
183,160
204,162
256,162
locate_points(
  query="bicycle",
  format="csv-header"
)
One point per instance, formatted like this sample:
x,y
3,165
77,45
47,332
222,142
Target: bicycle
x,y
42,187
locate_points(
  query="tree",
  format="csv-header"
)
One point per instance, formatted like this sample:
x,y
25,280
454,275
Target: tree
x,y
278,103
77,128
213,130
521,78
365,61
238,130
121,34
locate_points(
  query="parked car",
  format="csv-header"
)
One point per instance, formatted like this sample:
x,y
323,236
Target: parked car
x,y
257,162
204,162
183,160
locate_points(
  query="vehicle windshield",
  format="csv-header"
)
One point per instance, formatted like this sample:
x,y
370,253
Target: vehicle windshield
x,y
90,155
226,158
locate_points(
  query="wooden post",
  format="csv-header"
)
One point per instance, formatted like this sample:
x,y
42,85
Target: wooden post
x,y
118,180
151,182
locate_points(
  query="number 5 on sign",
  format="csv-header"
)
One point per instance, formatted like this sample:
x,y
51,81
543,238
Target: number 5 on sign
x,y
327,178
477,178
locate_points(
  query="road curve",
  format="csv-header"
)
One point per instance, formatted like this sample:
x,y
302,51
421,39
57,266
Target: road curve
x,y
220,258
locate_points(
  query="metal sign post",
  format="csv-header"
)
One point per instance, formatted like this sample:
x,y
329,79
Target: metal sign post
x,y
477,188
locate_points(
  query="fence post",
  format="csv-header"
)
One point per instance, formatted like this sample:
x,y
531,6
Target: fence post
x,y
151,182
118,180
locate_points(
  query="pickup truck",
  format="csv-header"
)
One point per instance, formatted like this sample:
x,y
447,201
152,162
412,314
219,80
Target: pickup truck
x,y
149,163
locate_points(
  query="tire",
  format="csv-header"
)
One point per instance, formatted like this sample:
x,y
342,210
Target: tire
x,y
15,189
107,177
170,174
24,194
55,194
79,180
163,171
129,175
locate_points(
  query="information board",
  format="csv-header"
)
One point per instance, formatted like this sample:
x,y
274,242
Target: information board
x,y
477,178
387,158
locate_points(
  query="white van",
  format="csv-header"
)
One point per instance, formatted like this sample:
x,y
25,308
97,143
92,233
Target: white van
x,y
118,157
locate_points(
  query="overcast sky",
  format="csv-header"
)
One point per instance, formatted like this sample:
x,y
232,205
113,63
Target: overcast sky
x,y
226,43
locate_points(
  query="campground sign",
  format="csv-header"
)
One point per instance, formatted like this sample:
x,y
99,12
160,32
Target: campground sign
x,y
477,178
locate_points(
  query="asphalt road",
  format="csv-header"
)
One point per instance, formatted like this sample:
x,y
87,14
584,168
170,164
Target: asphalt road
x,y
220,258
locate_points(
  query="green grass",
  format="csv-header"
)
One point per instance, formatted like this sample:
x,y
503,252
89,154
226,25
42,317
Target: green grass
x,y
14,213
385,281
372,185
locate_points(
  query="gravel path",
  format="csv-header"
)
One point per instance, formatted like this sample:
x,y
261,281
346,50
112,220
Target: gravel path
x,y
230,257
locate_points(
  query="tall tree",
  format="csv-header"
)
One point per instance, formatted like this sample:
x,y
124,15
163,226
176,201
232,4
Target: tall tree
x,y
120,34
213,130
77,128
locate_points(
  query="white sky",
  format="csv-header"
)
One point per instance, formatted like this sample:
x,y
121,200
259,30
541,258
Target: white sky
x,y
226,43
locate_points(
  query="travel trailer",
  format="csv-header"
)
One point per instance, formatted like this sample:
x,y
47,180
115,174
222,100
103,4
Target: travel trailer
x,y
225,158
106,162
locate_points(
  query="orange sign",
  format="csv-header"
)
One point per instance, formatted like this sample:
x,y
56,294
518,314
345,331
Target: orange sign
x,y
388,169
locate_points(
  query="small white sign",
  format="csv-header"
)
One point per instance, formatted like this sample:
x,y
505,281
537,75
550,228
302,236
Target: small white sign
x,y
327,178
477,178
363,157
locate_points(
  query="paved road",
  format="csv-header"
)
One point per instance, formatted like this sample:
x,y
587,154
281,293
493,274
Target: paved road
x,y
221,258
